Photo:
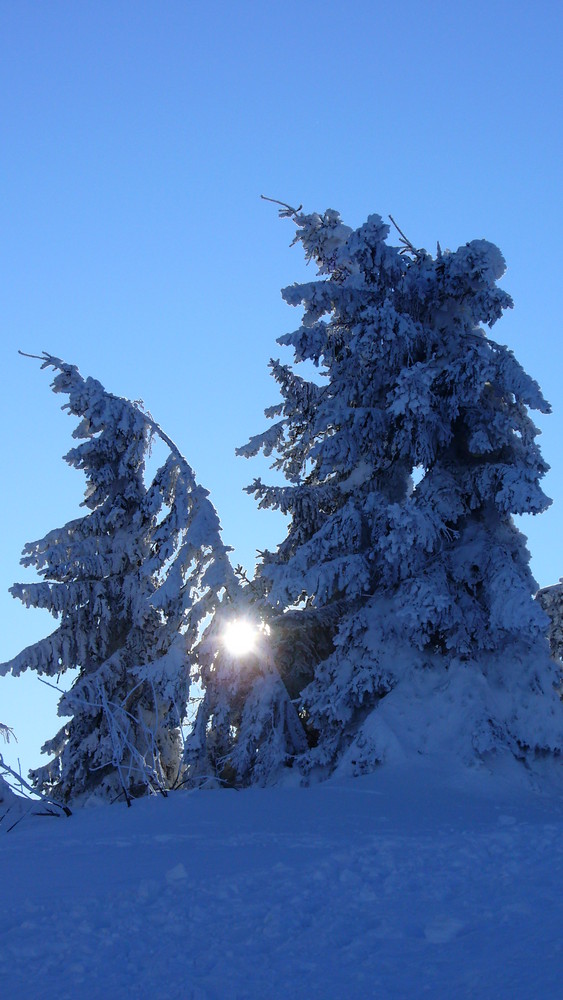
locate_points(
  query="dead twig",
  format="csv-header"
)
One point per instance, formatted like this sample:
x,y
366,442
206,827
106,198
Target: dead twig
x,y
286,211
407,246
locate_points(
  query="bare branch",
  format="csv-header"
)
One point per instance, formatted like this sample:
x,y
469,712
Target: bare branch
x,y
39,357
408,247
286,211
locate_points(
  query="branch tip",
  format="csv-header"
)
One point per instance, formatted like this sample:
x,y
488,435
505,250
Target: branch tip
x,y
286,211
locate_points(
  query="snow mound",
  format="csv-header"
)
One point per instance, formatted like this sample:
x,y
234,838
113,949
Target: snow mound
x,y
410,882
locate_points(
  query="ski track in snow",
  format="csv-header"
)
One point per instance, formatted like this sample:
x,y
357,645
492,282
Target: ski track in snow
x,y
401,889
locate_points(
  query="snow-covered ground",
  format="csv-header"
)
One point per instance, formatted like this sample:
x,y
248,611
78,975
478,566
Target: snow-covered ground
x,y
409,883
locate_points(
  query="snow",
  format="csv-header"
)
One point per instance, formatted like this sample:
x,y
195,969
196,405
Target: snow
x,y
414,881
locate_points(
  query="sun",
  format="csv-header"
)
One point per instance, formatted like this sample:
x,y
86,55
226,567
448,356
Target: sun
x,y
240,637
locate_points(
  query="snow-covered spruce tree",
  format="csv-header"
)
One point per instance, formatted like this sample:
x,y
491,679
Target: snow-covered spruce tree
x,y
130,583
405,461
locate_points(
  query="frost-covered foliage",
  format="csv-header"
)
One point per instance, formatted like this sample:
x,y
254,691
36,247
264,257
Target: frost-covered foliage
x,y
28,801
246,728
131,583
551,600
6,732
7,797
405,460
10,803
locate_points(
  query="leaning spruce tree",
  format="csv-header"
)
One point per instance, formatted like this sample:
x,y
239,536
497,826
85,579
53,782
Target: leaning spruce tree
x,y
132,584
405,460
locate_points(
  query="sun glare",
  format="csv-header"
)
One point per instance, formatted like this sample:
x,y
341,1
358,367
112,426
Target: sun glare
x,y
240,637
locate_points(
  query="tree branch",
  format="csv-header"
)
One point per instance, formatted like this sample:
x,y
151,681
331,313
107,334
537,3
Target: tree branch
x,y
407,245
286,211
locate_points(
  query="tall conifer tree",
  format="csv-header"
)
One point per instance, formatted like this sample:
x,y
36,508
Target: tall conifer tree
x,y
405,460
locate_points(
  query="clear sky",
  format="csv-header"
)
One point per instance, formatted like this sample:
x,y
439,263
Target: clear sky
x,y
136,140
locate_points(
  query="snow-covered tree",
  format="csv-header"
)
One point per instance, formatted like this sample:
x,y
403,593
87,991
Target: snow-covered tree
x,y
405,459
131,583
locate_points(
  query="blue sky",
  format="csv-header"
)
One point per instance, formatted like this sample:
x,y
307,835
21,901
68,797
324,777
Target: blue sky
x,y
137,138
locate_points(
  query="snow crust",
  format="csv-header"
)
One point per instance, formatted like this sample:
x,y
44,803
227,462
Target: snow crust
x,y
409,882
